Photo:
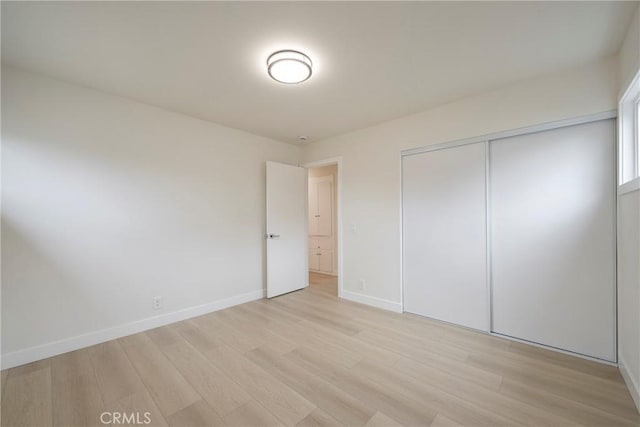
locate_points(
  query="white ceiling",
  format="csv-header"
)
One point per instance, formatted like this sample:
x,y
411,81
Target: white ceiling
x,y
374,61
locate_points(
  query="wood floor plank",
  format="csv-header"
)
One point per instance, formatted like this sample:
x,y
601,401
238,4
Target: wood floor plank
x,y
319,334
317,316
220,331
251,414
571,362
200,414
3,382
474,340
196,337
544,368
318,418
434,390
434,359
318,305
442,421
164,336
29,367
219,391
269,308
285,403
69,365
559,386
77,401
402,409
324,283
27,400
268,317
114,372
490,400
579,412
331,399
335,353
408,345
321,337
381,420
257,332
141,405
168,388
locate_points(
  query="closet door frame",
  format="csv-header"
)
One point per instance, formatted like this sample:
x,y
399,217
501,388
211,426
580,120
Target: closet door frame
x,y
486,139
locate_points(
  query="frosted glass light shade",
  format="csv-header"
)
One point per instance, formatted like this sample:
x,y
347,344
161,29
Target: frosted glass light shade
x,y
289,66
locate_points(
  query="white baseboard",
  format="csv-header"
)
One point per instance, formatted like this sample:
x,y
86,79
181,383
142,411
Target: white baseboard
x,y
55,348
373,301
632,385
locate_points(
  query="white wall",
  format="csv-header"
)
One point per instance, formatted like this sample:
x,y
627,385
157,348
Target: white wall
x,y
629,290
108,202
371,160
629,240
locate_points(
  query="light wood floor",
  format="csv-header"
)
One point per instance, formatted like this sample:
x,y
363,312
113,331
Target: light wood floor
x,y
324,283
310,359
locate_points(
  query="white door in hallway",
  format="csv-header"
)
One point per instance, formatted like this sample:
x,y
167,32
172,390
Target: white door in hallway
x,y
286,228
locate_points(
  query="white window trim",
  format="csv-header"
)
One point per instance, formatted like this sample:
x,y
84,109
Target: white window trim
x,y
629,186
628,136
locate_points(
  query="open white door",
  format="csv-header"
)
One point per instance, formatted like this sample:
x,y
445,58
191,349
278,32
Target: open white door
x,y
287,268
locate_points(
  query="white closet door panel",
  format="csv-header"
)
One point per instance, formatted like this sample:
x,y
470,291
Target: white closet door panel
x,y
552,238
314,242
313,207
326,261
444,235
325,202
314,259
321,243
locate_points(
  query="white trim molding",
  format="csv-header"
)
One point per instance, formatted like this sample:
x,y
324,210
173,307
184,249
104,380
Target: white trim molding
x,y
66,345
373,301
605,115
629,187
628,156
556,349
634,388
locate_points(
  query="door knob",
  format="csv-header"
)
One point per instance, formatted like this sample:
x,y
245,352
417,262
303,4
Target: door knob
x,y
272,236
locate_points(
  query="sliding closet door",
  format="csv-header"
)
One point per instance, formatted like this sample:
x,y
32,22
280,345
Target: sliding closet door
x,y
552,238
444,235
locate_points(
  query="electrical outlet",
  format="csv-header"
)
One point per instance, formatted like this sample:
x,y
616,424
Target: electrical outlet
x,y
156,303
361,282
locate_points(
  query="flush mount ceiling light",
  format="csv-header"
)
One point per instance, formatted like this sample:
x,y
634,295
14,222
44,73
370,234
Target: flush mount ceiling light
x,y
289,66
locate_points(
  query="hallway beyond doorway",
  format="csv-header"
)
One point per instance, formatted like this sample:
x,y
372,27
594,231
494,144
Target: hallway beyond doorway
x,y
324,283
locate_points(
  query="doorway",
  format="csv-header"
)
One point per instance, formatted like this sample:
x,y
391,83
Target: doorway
x,y
323,227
